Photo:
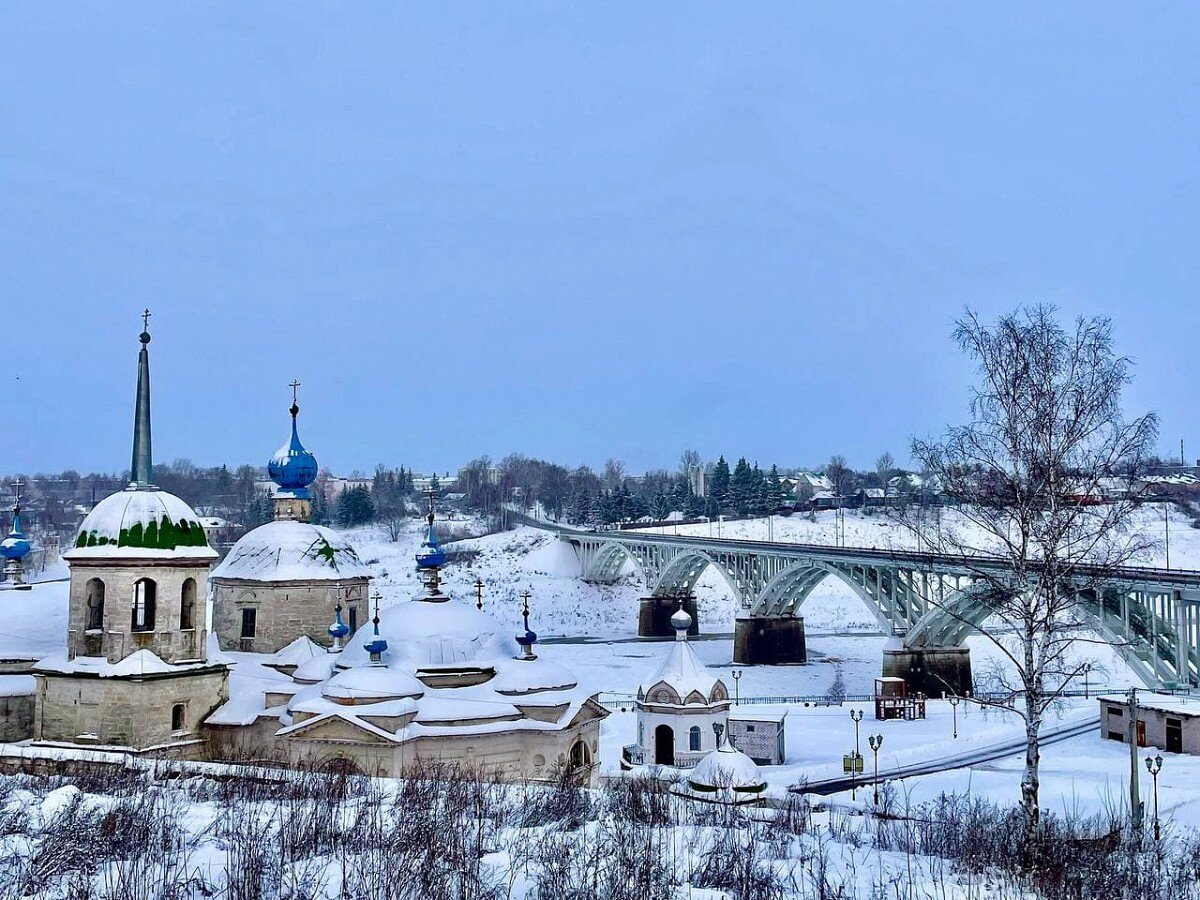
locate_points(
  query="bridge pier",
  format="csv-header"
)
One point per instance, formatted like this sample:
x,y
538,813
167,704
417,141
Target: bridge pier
x,y
932,671
654,615
769,641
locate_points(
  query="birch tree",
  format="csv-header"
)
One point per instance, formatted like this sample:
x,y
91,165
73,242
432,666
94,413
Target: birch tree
x,y
1045,427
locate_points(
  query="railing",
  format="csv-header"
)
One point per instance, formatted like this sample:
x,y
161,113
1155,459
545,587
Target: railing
x,y
916,558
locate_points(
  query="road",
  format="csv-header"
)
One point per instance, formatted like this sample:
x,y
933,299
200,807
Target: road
x,y
955,761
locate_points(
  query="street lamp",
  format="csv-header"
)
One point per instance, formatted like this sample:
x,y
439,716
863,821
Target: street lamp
x,y
737,693
1087,670
954,700
1154,766
856,716
875,741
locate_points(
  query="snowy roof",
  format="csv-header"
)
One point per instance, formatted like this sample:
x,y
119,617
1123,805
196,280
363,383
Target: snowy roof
x,y
141,523
372,683
683,671
1177,704
726,767
288,550
143,662
298,652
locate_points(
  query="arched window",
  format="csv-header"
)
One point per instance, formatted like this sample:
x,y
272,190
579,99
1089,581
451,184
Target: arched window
x,y
95,604
187,605
178,721
144,595
694,738
581,756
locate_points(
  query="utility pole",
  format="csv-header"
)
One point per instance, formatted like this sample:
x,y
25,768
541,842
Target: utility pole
x,y
1135,800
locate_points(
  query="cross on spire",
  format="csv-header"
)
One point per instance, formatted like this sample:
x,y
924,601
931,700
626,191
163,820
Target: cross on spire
x,y
294,384
17,486
146,319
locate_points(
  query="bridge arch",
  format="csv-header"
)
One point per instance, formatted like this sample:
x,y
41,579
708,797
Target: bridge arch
x,y
603,564
680,575
787,591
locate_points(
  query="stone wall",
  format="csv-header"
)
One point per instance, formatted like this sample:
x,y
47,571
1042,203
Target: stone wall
x,y
286,610
116,639
16,718
513,755
126,712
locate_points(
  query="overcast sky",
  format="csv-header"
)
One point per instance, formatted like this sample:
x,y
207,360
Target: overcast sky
x,y
576,232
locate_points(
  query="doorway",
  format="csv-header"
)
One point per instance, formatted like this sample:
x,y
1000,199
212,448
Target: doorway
x,y
1174,736
664,745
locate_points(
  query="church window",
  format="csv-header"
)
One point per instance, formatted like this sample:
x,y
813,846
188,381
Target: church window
x,y
95,604
249,621
178,721
187,605
144,596
581,756
694,738
353,619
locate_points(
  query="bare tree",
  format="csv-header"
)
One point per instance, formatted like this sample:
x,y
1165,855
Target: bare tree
x,y
614,474
1045,427
884,467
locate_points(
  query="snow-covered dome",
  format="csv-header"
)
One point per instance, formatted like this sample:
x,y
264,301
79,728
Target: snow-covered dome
x,y
289,550
293,467
726,768
143,523
372,684
682,678
680,620
430,635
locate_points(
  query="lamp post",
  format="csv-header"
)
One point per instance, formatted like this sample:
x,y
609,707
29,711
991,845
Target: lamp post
x,y
1136,807
875,741
737,693
1154,766
1167,527
856,716
954,700
1087,670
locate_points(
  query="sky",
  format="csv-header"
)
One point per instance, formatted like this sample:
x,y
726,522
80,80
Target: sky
x,y
576,231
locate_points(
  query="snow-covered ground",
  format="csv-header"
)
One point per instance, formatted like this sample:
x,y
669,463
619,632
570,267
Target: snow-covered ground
x,y
1082,773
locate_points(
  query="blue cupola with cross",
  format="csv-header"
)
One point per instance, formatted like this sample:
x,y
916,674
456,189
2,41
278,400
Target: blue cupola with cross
x,y
430,555
528,639
378,645
293,468
15,547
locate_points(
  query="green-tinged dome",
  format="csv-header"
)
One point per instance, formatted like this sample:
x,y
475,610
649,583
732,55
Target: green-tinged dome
x,y
148,520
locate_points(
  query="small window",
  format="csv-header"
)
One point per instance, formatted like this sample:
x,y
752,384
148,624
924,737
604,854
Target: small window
x,y
249,621
178,722
95,604
694,737
1116,736
1116,712
353,619
144,600
749,729
187,605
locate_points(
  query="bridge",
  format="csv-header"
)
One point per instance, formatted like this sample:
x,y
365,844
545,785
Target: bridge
x,y
1150,616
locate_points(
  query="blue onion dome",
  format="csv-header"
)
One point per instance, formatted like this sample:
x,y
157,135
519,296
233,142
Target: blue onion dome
x,y
16,545
430,555
338,629
293,467
529,638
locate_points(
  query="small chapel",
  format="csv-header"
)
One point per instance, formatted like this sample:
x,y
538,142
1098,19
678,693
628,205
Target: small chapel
x,y
283,580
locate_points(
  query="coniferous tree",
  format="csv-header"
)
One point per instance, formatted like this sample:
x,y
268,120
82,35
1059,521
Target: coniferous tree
x,y
741,488
718,488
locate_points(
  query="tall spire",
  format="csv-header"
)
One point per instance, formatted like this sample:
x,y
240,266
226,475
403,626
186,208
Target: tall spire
x,y
141,471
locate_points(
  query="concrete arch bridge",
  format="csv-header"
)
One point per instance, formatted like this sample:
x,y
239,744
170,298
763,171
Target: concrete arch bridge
x,y
1150,616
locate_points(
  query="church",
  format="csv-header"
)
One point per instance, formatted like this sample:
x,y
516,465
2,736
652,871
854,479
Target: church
x,y
427,678
281,580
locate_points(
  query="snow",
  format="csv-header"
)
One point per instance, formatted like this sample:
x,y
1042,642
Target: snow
x,y
1181,705
143,662
726,767
298,652
291,551
33,623
123,510
684,672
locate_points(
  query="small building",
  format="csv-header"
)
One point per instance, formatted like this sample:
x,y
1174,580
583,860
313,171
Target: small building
x,y
759,736
892,700
1167,721
681,709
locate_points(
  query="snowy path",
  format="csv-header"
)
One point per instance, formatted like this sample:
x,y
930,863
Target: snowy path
x,y
955,761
